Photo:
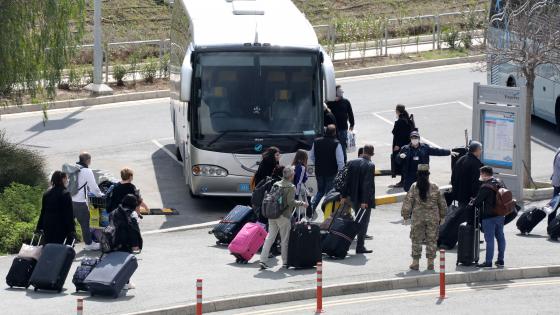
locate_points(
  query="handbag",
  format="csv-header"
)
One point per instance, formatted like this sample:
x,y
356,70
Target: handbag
x,y
326,225
31,251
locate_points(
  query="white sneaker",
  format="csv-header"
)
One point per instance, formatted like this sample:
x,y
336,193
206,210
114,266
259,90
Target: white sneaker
x,y
92,246
129,286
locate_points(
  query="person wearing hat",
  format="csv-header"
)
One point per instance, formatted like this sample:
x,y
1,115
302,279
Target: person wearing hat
x,y
415,153
465,174
425,207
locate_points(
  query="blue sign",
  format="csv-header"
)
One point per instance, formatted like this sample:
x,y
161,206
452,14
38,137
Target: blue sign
x,y
258,147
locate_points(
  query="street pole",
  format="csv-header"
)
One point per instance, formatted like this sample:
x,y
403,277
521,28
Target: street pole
x,y
97,87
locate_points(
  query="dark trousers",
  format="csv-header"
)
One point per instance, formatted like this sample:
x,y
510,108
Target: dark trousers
x,y
553,214
364,224
343,138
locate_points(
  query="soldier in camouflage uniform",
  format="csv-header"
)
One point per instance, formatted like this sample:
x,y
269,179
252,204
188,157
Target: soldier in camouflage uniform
x,y
427,207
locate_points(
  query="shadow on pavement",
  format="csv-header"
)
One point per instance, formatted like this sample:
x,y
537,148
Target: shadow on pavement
x,y
174,194
545,132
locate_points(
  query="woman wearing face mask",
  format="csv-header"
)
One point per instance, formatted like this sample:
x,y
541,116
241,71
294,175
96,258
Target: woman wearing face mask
x,y
56,220
401,132
415,153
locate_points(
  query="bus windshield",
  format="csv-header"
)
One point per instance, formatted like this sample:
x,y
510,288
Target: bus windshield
x,y
254,94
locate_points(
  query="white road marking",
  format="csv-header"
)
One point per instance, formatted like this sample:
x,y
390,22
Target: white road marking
x,y
464,104
183,228
88,108
418,107
405,72
392,123
171,154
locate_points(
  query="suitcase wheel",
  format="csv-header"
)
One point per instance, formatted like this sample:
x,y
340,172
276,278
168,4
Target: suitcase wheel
x,y
59,291
35,289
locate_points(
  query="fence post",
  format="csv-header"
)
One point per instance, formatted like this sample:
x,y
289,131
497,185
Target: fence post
x,y
434,34
80,306
319,288
438,29
198,296
442,273
161,43
386,35
106,63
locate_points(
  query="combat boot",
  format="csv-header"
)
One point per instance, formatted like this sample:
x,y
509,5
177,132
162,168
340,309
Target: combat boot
x,y
430,264
415,264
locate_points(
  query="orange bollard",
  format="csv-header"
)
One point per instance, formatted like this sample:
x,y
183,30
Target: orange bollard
x,y
198,296
319,288
442,273
80,307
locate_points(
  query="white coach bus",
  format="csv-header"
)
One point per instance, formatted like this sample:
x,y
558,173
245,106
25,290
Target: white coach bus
x,y
245,75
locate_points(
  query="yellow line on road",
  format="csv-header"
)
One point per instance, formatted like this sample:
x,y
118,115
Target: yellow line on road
x,y
393,296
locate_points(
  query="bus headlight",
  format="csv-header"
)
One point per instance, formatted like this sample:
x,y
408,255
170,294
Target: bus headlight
x,y
209,170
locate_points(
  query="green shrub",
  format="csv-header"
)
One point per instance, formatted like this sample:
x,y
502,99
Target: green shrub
x,y
19,164
21,203
149,71
75,78
466,40
164,66
451,37
14,234
119,72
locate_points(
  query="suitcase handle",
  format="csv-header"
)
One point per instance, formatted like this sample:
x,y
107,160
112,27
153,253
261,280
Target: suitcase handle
x,y
33,237
73,241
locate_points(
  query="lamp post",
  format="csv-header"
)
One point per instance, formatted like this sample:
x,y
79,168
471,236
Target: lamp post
x,y
97,87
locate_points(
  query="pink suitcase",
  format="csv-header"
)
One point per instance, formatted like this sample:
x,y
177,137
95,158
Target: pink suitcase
x,y
247,242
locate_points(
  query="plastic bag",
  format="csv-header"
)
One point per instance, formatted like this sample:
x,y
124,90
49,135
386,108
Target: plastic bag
x,y
351,142
94,217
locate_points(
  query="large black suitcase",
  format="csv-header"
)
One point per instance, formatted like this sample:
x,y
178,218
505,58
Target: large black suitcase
x,y
229,226
83,270
341,234
20,272
553,228
449,230
468,242
529,219
304,246
52,268
111,274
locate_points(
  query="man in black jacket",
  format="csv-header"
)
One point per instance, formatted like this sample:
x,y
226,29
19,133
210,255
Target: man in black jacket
x,y
492,224
342,111
326,154
360,190
465,174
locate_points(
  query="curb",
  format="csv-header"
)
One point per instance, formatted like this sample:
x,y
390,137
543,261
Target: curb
x,y
399,197
100,100
409,66
359,288
165,93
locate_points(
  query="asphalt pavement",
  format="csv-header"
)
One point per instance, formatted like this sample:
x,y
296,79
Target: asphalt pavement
x,y
139,135
534,296
171,262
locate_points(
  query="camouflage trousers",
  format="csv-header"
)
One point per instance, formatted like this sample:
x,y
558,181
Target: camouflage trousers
x,y
424,232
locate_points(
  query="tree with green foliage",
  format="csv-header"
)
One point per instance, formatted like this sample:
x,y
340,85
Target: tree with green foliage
x,y
38,39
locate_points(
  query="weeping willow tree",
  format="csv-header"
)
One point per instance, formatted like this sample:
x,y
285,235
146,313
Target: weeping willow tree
x,y
38,38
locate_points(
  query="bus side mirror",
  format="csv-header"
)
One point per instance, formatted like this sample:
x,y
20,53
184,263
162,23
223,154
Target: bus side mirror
x,y
329,77
186,77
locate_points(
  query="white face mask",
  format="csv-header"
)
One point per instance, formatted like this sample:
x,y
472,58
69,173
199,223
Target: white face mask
x,y
415,142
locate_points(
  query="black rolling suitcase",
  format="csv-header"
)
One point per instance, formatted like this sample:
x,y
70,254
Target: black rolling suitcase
x,y
341,234
468,242
81,273
52,268
529,219
111,274
229,226
304,246
20,272
449,230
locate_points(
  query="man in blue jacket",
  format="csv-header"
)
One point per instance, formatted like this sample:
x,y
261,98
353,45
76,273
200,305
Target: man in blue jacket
x,y
416,153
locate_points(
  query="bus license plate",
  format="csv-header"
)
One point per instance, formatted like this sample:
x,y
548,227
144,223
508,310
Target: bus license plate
x,y
244,188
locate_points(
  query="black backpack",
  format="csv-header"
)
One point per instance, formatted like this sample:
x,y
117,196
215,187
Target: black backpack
x,y
260,192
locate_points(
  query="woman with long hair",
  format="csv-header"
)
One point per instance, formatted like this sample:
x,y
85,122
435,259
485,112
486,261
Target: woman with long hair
x,y
300,178
401,137
270,159
56,220
426,207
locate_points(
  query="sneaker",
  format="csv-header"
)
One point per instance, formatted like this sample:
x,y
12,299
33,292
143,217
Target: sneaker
x,y
129,286
500,263
484,265
263,265
93,246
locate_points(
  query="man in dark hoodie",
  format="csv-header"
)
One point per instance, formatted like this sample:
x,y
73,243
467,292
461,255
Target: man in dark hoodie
x,y
465,174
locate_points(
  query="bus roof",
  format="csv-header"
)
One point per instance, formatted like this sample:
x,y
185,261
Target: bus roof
x,y
238,22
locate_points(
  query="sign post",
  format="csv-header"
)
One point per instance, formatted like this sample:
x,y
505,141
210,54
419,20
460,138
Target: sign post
x,y
498,123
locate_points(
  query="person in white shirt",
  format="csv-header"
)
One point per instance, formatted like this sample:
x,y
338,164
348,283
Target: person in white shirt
x,y
88,185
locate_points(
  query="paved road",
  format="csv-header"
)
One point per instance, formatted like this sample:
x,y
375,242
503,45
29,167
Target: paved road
x,y
139,135
171,262
511,297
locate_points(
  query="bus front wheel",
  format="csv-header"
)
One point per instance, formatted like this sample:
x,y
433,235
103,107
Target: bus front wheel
x,y
193,196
